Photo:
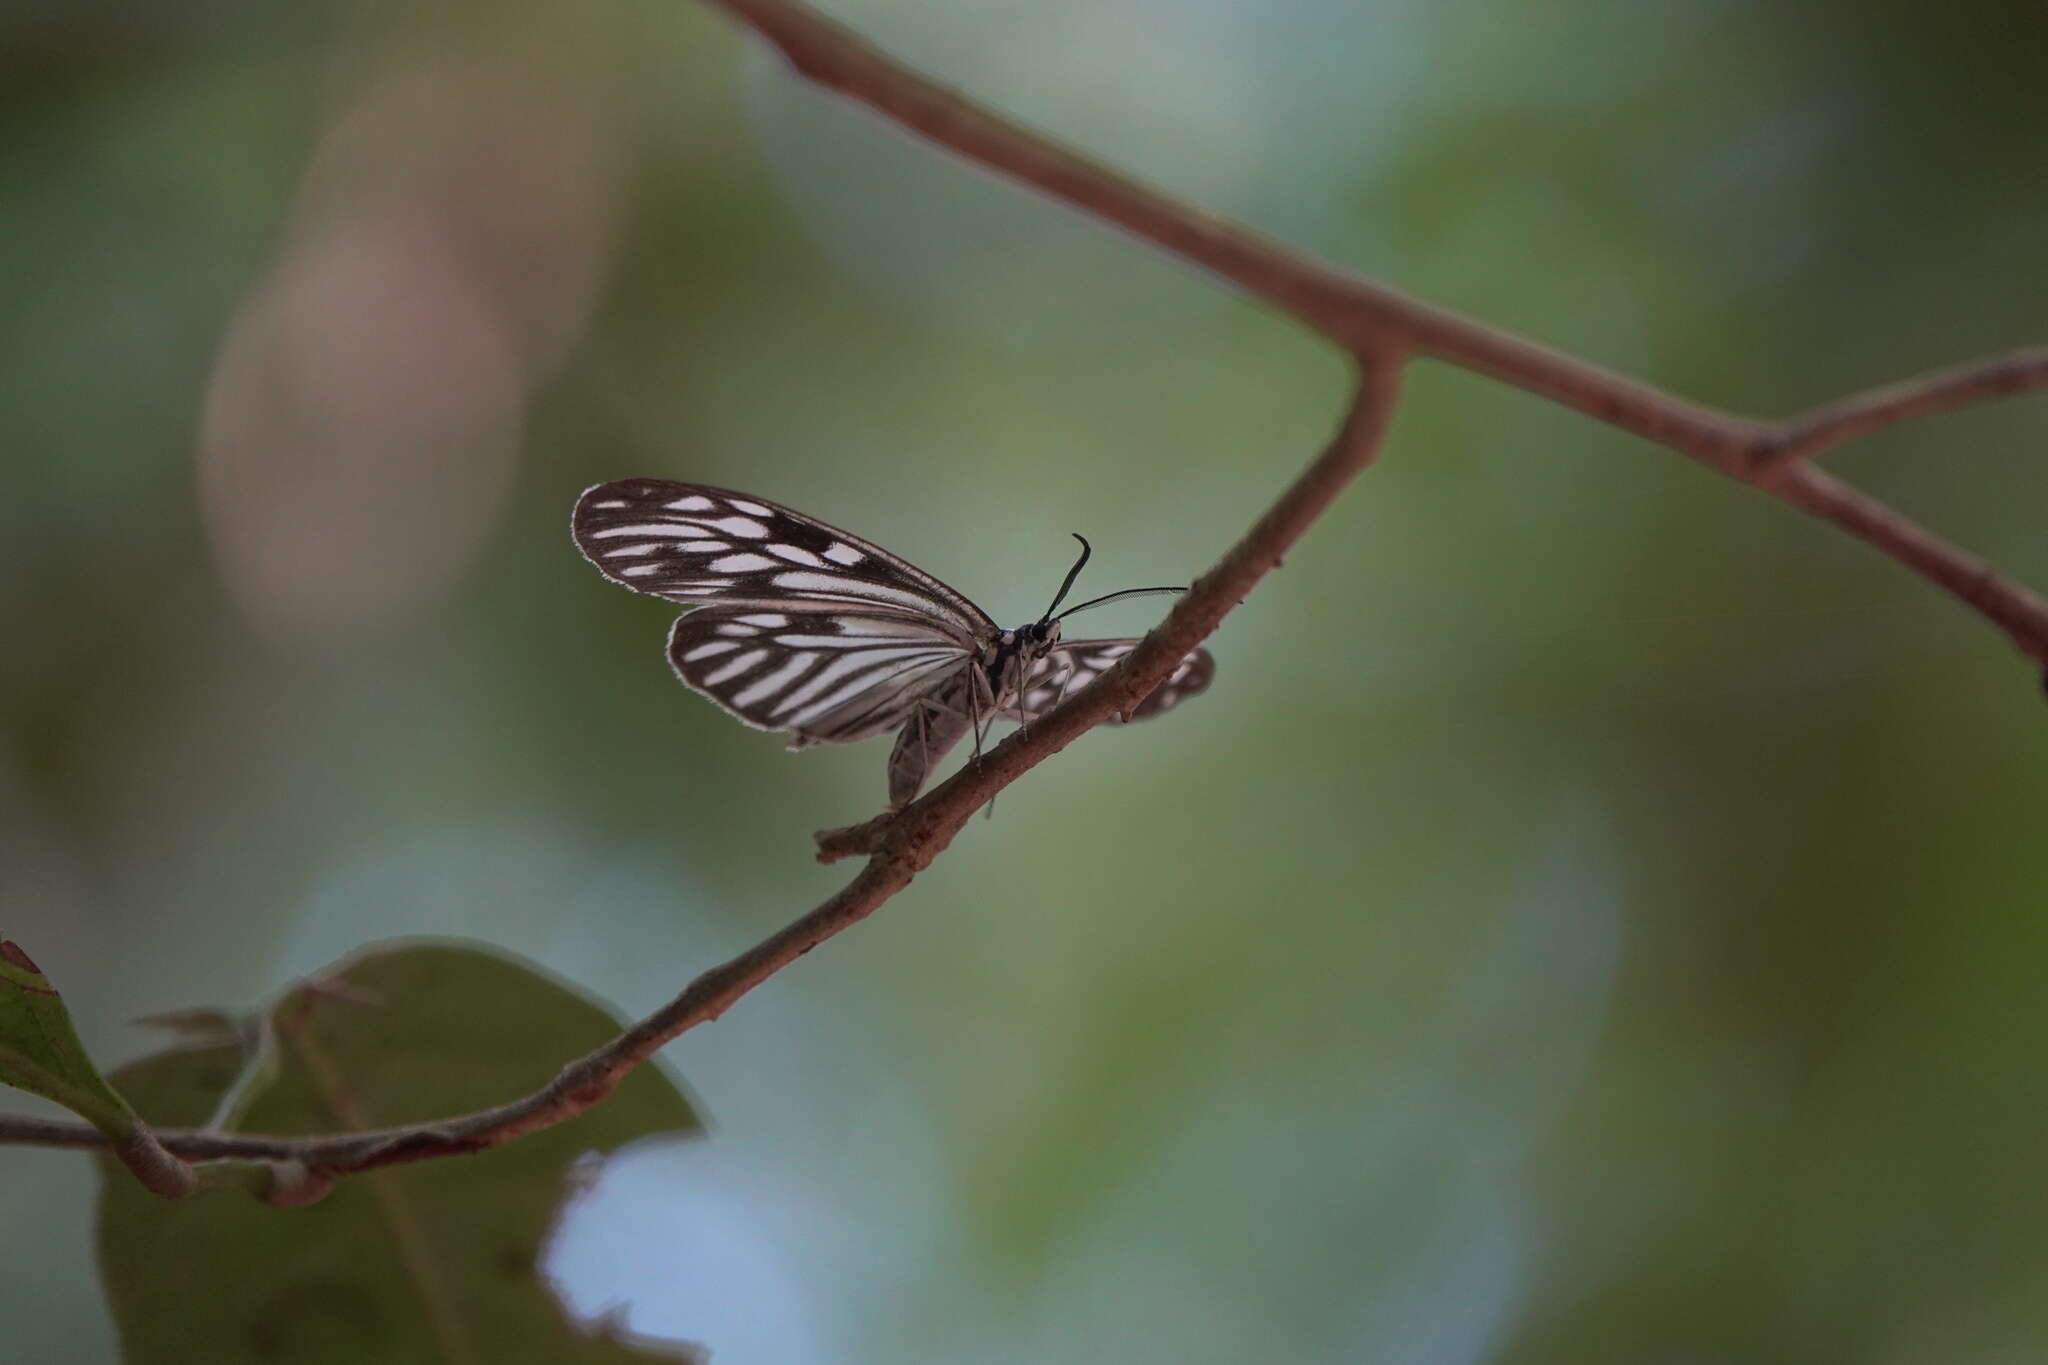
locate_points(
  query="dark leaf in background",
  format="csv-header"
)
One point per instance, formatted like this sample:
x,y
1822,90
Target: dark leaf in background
x,y
437,1261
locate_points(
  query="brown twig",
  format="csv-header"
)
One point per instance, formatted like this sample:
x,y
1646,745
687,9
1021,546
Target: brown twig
x,y
1345,307
907,844
1944,390
1378,325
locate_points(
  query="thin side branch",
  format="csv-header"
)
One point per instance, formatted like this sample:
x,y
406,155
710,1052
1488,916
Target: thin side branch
x,y
911,840
1944,390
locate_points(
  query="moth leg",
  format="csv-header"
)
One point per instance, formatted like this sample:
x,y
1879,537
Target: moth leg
x,y
928,735
1066,681
982,702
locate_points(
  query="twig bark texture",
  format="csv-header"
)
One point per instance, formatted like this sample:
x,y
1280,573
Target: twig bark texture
x,y
1381,329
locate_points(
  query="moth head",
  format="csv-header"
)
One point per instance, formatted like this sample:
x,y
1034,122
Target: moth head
x,y
1040,635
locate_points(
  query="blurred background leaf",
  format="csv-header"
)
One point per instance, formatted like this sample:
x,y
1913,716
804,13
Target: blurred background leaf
x,y
430,1261
1594,916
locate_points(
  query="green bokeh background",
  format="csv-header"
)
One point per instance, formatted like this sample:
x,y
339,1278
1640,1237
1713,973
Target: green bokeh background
x,y
1596,915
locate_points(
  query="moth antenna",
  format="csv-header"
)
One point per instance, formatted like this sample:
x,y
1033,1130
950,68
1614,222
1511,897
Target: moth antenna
x,y
1072,574
1116,596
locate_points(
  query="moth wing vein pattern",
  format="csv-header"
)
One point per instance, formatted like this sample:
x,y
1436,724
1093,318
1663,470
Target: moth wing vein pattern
x,y
796,626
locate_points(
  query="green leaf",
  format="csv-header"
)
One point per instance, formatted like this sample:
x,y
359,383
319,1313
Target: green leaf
x,y
40,1053
436,1261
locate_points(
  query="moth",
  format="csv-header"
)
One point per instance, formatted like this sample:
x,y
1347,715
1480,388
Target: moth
x,y
799,627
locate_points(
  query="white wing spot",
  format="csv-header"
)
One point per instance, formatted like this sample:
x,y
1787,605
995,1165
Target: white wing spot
x,y
745,527
689,504
796,554
862,627
741,563
702,547
775,681
704,588
638,570
773,619
751,508
709,650
735,628
658,528
628,551
865,663
737,665
889,674
610,502
844,587
842,553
